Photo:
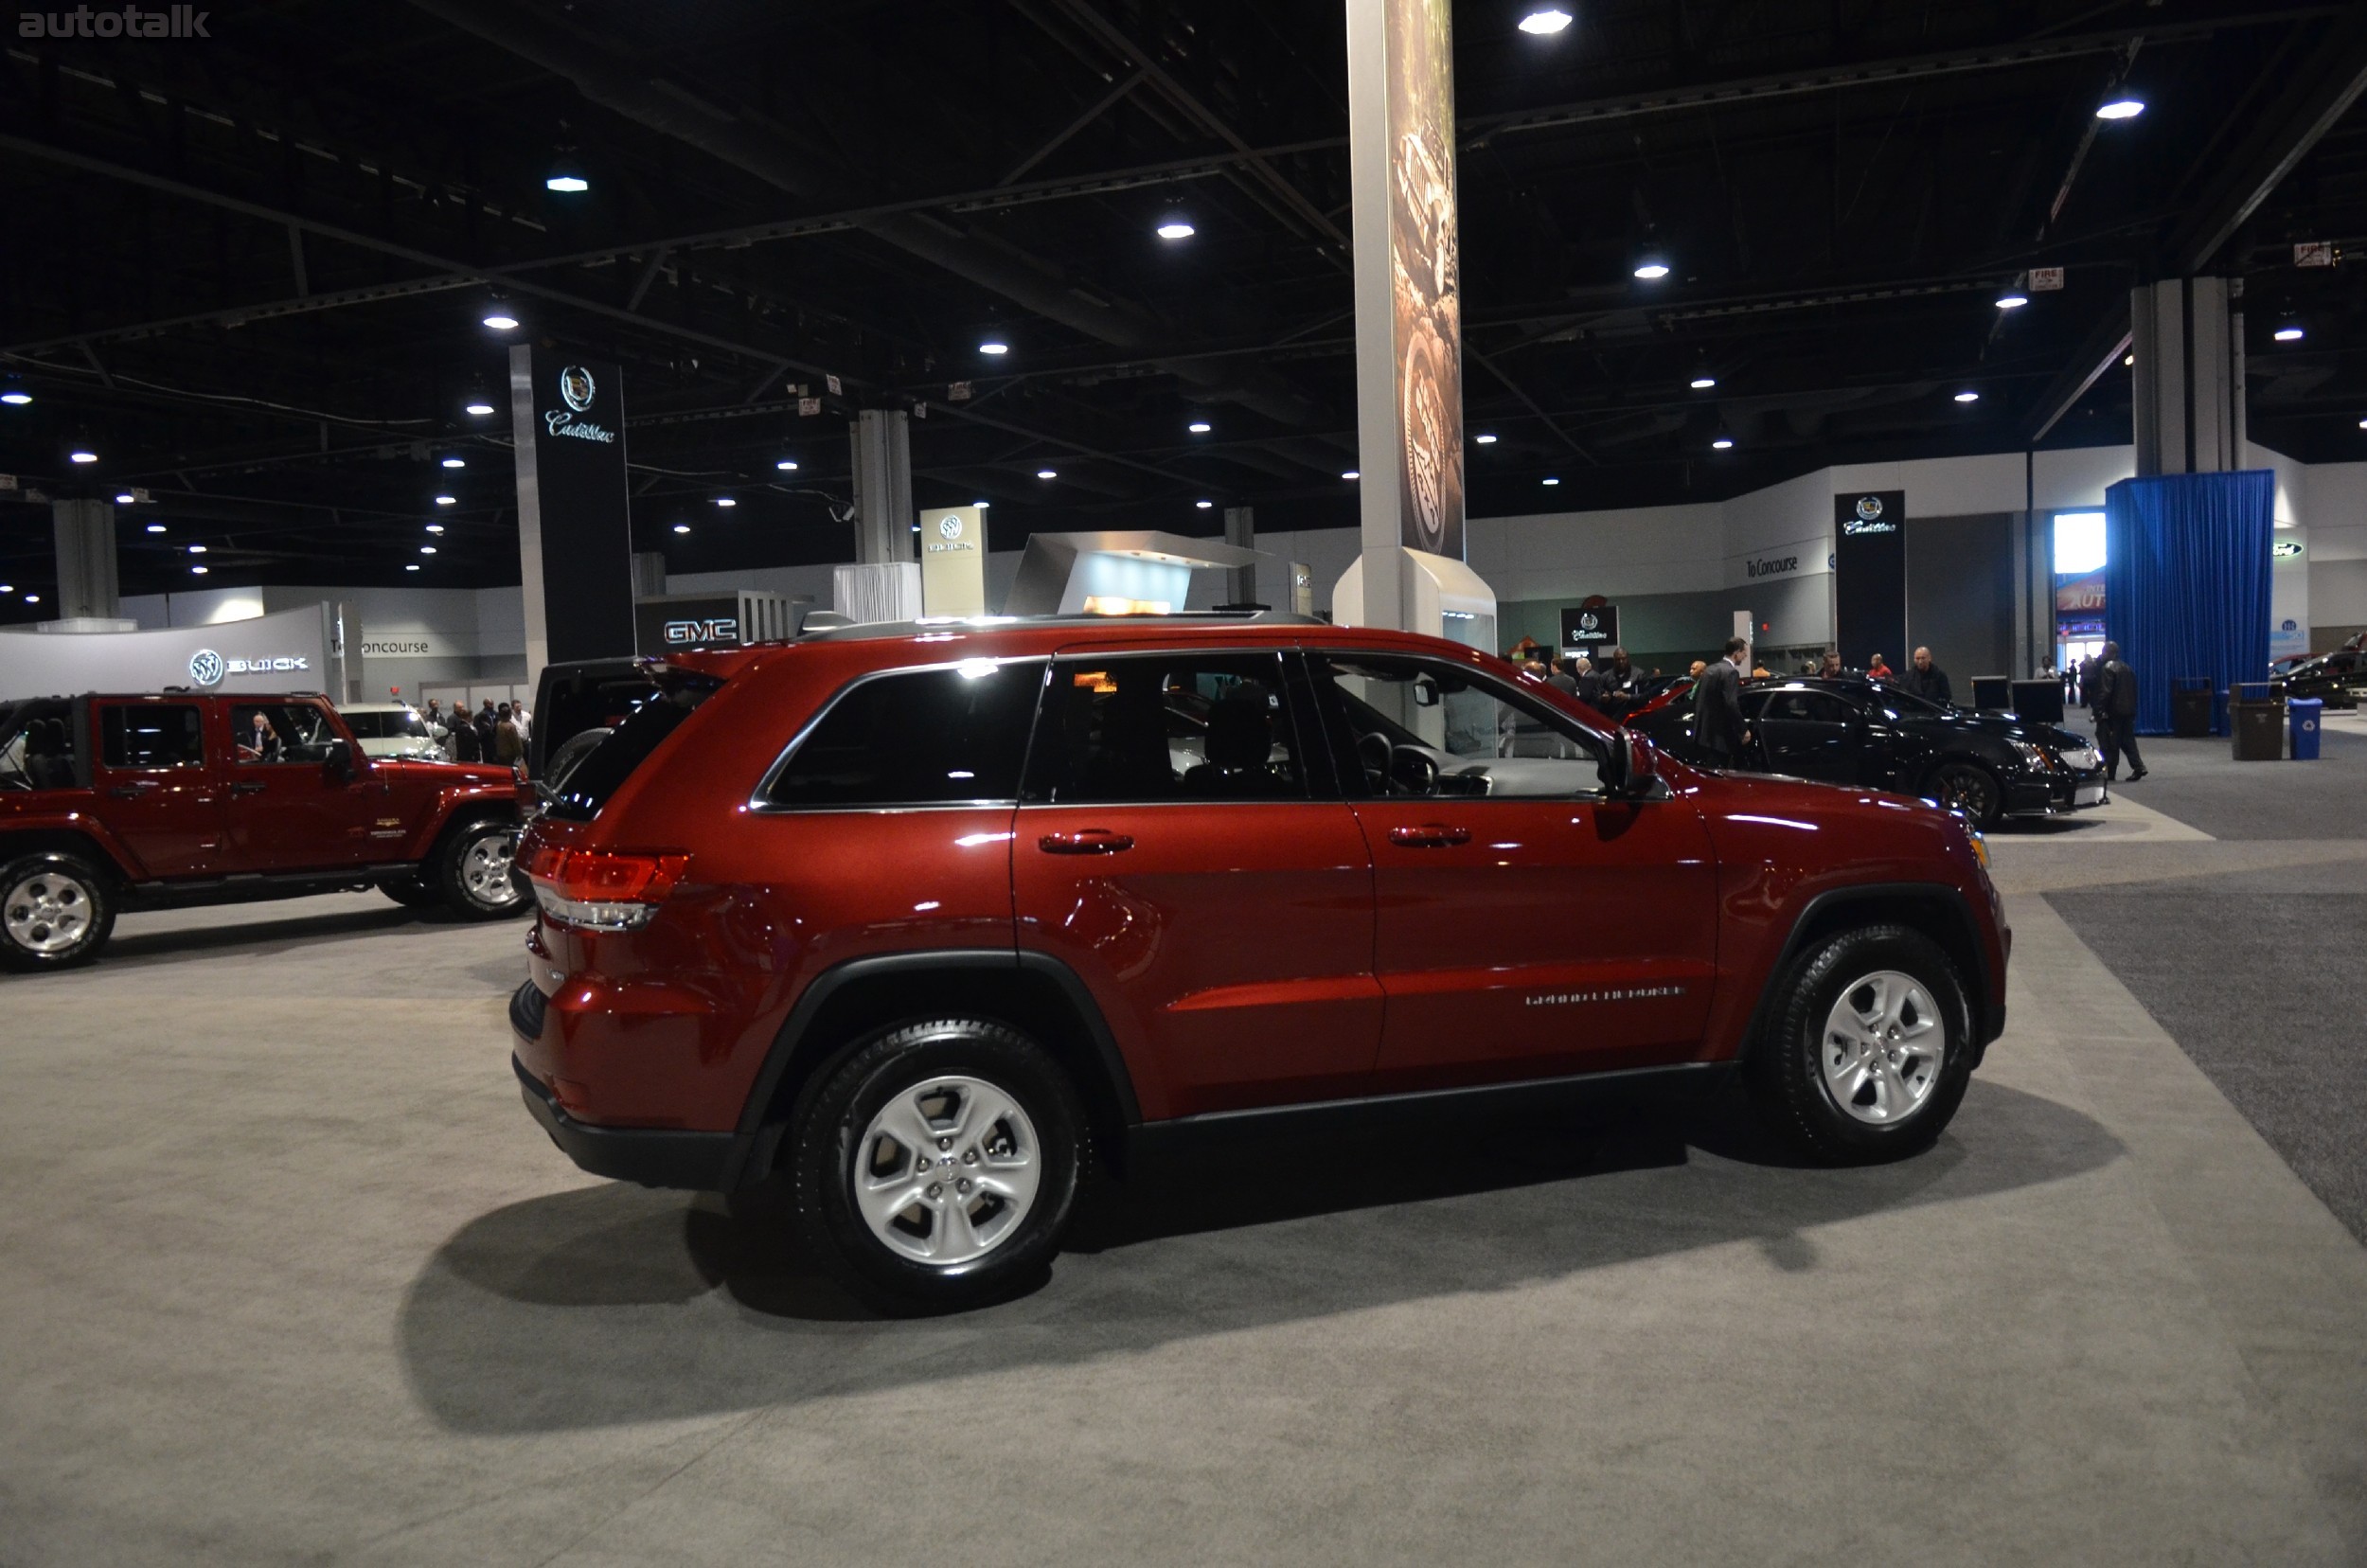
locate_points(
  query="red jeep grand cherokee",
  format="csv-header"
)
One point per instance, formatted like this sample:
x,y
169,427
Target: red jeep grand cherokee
x,y
931,918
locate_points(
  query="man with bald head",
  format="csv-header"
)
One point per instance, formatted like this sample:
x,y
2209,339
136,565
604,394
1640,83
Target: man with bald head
x,y
1927,680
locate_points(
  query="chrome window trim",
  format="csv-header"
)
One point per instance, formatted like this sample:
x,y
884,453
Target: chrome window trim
x,y
759,805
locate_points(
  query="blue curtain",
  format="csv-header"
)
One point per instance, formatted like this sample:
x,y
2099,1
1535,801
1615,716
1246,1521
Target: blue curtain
x,y
2186,581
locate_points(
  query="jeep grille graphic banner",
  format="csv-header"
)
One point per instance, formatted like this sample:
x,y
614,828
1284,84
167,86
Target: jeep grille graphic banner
x,y
1869,577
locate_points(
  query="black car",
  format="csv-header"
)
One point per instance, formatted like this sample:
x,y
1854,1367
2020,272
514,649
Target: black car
x,y
2338,679
1861,731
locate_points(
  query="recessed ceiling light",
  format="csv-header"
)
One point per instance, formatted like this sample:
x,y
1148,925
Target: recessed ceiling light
x,y
1653,269
1485,440
994,345
434,528
1703,384
682,527
127,498
2288,334
787,465
1967,397
1351,474
427,549
501,322
725,501
1723,443
2128,359
455,462
1176,228
155,528
7,587
567,177
1203,506
447,500
1198,427
197,549
1544,22
81,454
1549,481
2120,108
982,503
412,567
480,407
2010,301
194,571
16,396
1046,474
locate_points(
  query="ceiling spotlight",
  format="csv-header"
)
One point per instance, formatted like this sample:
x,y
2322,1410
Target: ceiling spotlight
x,y
1046,474
479,407
725,501
787,465
2120,108
81,454
1176,227
1724,443
155,528
1549,481
1544,22
2011,300
994,345
982,503
7,587
682,527
2288,334
412,567
455,462
14,395
194,571
502,321
2128,359
1198,427
197,549
434,528
1351,474
427,549
1703,384
1485,440
1967,397
1203,506
126,499
1651,267
447,500
567,177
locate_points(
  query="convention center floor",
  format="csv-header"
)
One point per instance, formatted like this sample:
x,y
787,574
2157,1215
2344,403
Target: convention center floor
x,y
287,1274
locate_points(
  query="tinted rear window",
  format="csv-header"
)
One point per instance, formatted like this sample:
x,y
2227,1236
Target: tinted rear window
x,y
920,737
590,782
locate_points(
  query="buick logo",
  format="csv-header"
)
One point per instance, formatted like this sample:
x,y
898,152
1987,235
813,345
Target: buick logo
x,y
949,526
575,388
206,667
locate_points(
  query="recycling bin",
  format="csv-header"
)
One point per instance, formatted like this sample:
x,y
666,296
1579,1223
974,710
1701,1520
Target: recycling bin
x,y
2255,719
2306,711
2190,706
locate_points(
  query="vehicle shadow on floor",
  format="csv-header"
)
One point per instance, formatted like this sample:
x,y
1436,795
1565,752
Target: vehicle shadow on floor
x,y
615,1304
143,947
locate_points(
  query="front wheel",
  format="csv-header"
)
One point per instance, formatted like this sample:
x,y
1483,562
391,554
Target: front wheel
x,y
937,1167
1970,787
476,872
56,912
1869,1047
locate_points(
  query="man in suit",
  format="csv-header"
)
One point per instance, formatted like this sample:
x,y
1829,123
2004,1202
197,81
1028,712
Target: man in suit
x,y
1718,725
2112,698
1927,680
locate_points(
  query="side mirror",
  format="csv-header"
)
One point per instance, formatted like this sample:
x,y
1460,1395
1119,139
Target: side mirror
x,y
1631,767
337,761
1425,692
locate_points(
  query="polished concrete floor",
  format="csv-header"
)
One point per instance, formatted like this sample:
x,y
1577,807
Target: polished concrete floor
x,y
286,1276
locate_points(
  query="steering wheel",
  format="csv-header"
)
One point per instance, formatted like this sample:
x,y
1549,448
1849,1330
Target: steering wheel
x,y
1373,752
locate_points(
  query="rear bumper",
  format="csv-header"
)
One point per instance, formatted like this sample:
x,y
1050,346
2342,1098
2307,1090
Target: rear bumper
x,y
658,1157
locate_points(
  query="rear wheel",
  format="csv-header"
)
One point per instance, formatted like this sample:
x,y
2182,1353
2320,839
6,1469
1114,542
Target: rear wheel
x,y
1869,1046
937,1167
1970,787
56,910
475,872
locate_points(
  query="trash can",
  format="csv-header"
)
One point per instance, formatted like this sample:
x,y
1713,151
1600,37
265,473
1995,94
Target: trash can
x,y
2190,706
2256,717
2306,711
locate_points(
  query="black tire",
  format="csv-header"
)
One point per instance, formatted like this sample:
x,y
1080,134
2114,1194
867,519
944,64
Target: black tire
x,y
410,892
460,871
835,1121
1789,1068
57,910
1972,789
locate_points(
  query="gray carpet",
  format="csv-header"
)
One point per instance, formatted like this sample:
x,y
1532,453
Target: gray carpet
x,y
2201,784
2256,975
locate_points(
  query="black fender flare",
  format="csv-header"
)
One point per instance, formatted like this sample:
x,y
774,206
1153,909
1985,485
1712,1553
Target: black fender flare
x,y
1988,1020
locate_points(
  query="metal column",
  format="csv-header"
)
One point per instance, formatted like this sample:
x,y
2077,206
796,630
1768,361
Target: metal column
x,y
2188,403
883,486
86,559
1241,527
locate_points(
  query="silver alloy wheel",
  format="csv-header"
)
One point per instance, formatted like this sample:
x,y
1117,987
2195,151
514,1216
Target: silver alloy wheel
x,y
1882,1048
947,1171
47,913
485,868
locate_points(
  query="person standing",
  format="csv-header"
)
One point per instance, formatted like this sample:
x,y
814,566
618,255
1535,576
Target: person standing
x,y
1877,671
1617,685
1927,680
1718,725
2112,698
510,747
1561,680
464,741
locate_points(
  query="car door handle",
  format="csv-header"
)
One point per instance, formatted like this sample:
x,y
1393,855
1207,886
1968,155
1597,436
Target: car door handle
x,y
134,790
246,789
1430,835
1085,841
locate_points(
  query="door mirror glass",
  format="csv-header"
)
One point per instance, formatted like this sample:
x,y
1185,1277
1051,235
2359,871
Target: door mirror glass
x,y
337,759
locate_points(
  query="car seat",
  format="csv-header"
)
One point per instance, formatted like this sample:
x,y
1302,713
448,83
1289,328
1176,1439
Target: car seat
x,y
1239,746
47,763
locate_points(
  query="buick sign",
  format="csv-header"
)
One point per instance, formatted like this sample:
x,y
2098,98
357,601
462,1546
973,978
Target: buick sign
x,y
206,667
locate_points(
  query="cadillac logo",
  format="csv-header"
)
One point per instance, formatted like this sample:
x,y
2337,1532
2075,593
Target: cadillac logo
x,y
1588,621
1869,508
949,526
206,667
575,387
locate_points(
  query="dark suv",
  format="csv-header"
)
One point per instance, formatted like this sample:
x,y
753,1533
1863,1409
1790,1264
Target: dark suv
x,y
175,798
935,919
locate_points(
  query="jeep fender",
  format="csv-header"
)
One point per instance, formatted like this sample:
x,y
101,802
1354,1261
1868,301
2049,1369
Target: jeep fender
x,y
75,831
462,802
1937,908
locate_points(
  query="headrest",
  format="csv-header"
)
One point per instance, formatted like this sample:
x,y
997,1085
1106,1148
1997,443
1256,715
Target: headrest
x,y
1241,729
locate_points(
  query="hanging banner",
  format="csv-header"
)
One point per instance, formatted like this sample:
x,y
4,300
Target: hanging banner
x,y
1426,288
953,561
575,525
1588,628
1869,577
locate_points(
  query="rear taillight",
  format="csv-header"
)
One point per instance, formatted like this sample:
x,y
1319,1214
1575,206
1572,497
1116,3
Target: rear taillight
x,y
603,889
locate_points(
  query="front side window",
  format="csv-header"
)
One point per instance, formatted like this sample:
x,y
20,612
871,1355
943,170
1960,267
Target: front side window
x,y
1424,726
152,735
1149,727
281,732
945,737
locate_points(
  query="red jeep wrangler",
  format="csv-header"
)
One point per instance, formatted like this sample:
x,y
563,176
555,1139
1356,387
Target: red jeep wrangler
x,y
109,803
932,917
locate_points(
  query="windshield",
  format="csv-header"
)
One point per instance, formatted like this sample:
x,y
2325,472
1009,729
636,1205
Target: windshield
x,y
386,726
